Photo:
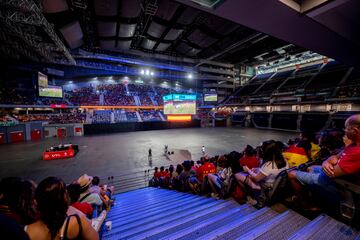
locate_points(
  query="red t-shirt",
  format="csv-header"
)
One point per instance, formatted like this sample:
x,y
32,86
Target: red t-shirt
x,y
84,207
349,161
250,162
205,170
164,174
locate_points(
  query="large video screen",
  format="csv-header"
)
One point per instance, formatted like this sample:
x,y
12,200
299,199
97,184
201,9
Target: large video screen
x,y
46,90
42,80
210,97
51,91
179,104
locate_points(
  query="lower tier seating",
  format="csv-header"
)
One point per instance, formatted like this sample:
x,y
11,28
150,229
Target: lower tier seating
x,y
151,213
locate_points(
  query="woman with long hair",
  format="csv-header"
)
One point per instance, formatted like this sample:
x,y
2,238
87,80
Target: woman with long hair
x,y
273,163
53,202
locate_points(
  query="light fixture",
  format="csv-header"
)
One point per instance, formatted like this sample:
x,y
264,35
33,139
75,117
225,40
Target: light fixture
x,y
142,72
189,76
147,72
152,73
70,82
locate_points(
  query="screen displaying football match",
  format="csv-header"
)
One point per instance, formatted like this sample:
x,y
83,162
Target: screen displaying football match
x,y
180,104
210,97
42,80
51,91
45,90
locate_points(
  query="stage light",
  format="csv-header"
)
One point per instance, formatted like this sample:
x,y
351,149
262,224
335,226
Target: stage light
x,y
147,72
189,76
152,73
142,72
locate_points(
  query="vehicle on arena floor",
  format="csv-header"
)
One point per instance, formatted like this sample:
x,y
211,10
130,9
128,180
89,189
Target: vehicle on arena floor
x,y
61,151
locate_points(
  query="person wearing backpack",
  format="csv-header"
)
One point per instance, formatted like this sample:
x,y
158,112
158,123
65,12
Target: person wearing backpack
x,y
85,194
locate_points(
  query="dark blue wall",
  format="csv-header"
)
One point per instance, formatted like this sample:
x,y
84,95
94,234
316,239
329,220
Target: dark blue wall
x,y
136,126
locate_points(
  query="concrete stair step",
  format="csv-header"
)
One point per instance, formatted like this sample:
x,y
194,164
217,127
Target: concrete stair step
x,y
123,209
132,217
280,227
151,213
127,230
127,198
241,225
169,228
200,228
325,227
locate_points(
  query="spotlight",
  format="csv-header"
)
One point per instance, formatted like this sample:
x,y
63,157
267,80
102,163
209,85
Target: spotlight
x,y
142,72
147,72
152,73
189,76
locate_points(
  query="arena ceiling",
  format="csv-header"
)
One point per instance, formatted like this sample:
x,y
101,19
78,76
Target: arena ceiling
x,y
53,30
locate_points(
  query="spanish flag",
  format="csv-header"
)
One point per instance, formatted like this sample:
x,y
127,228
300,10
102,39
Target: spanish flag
x,y
295,155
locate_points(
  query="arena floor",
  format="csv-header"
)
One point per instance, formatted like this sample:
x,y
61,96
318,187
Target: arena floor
x,y
114,154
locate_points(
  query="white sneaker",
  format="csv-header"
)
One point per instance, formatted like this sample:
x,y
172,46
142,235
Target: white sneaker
x,y
215,195
251,201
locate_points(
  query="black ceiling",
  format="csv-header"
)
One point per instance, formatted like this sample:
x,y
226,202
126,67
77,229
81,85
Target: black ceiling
x,y
162,26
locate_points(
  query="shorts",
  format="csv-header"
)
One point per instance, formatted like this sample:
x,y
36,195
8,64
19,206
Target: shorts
x,y
317,178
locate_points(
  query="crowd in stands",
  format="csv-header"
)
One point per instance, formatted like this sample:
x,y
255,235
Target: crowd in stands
x,y
310,164
12,96
83,96
150,115
348,91
101,116
52,209
5,118
131,116
145,100
139,89
50,101
54,118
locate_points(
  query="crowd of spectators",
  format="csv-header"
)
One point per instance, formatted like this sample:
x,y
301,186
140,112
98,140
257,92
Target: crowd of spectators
x,y
53,118
145,100
139,88
108,94
49,101
348,91
302,171
13,96
150,115
52,209
101,116
131,116
83,96
6,118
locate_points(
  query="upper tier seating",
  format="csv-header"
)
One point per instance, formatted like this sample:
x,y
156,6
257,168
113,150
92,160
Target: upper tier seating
x,y
272,84
328,78
299,78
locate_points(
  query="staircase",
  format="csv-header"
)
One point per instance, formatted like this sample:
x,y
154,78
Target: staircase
x,y
153,100
137,100
151,213
162,117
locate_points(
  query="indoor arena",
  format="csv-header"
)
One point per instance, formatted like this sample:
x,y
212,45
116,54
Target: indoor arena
x,y
179,119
